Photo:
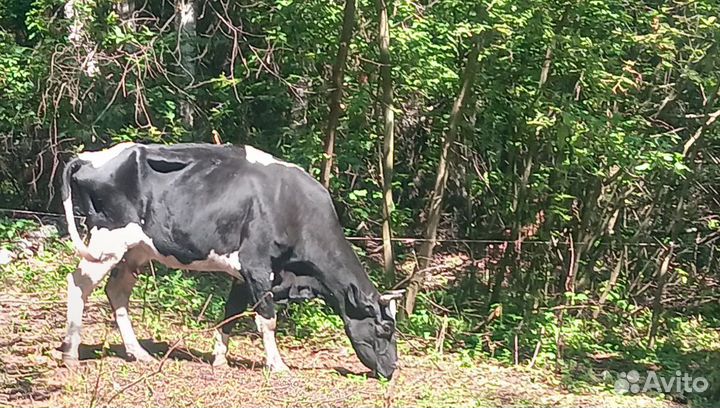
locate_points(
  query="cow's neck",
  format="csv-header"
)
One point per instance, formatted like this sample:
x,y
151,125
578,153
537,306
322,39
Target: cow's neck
x,y
344,270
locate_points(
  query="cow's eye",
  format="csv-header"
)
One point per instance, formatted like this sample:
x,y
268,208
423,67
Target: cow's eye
x,y
370,310
383,329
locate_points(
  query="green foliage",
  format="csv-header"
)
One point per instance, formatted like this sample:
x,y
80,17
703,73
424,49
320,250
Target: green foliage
x,y
187,294
11,230
589,126
313,319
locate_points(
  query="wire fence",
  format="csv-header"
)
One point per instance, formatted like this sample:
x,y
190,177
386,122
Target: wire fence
x,y
406,240
527,263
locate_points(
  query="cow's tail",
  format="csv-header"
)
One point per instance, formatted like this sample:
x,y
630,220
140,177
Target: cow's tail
x,y
66,191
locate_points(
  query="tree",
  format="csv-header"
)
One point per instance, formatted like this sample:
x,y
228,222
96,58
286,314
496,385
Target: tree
x,y
125,10
438,192
336,92
185,23
388,156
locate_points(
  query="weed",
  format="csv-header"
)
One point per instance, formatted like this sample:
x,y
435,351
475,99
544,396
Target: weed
x,y
11,230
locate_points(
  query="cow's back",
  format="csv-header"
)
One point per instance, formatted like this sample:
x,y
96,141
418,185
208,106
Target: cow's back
x,y
191,199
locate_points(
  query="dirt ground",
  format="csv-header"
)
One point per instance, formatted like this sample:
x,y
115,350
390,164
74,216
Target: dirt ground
x,y
323,373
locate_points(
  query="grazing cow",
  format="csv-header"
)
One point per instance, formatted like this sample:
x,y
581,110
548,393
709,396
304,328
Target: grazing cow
x,y
266,223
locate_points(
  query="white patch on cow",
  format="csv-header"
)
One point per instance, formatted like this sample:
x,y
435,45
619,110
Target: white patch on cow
x,y
99,158
80,246
221,348
132,235
256,156
267,328
229,263
79,285
132,346
110,247
272,276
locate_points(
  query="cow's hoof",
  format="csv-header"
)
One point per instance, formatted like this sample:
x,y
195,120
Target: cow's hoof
x,y
219,361
278,367
141,356
70,361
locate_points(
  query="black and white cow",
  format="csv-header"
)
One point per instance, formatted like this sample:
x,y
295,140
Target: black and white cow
x,y
266,223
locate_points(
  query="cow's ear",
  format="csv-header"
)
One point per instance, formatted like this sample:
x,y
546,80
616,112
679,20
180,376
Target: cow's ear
x,y
360,304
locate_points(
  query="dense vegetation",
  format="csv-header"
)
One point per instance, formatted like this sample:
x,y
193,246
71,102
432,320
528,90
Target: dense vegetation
x,y
565,153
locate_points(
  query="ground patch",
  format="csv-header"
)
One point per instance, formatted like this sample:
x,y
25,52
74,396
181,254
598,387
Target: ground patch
x,y
324,372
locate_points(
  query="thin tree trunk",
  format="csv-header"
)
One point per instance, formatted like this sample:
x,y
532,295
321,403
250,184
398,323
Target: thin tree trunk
x,y
584,236
690,149
338,73
299,109
185,22
659,290
438,193
125,10
501,271
661,277
388,138
519,199
614,275
81,17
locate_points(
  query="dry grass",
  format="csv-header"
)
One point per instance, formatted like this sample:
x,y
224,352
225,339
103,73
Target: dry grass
x,y
322,375
324,370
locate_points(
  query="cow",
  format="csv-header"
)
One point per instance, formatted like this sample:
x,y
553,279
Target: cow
x,y
267,223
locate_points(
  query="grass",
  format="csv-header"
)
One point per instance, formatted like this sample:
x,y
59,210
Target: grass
x,y
173,313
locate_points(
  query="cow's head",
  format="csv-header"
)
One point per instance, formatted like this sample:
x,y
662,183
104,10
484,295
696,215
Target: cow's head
x,y
370,325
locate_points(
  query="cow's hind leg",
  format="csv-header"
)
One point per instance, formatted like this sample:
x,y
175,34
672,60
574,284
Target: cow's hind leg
x,y
118,290
79,286
112,245
236,303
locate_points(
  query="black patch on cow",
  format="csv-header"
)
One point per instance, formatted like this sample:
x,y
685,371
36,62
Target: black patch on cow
x,y
164,166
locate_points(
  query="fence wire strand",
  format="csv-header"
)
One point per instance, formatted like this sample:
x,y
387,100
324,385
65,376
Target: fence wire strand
x,y
405,240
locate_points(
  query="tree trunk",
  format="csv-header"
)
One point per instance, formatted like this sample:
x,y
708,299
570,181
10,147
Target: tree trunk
x,y
661,277
185,22
519,199
690,149
501,271
388,138
300,100
614,275
81,16
338,72
438,193
125,10
659,290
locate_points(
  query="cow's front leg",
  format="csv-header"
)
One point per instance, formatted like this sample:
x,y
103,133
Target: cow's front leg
x,y
79,286
266,319
118,290
266,326
236,303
